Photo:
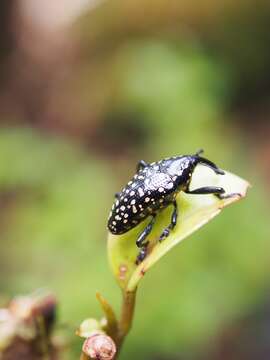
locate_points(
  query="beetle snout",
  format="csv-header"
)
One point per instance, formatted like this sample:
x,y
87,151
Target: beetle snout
x,y
219,171
206,162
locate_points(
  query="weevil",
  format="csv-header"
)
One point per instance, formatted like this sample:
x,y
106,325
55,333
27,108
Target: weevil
x,y
154,187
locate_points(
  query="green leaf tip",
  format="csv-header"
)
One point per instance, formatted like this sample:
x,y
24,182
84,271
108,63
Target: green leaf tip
x,y
109,323
194,212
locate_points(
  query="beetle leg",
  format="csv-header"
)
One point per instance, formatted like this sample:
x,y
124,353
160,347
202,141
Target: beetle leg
x,y
141,243
227,196
168,229
142,254
141,165
210,164
218,191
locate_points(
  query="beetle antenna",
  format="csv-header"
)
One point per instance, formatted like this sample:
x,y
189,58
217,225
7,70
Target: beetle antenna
x,y
199,152
210,164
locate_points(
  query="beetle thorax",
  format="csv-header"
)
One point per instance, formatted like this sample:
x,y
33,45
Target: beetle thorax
x,y
180,169
177,167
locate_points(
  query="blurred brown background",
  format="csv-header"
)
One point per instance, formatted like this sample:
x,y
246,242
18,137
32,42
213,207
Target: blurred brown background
x,y
89,87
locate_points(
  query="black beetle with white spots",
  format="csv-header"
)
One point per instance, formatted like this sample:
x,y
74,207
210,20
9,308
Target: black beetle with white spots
x,y
153,188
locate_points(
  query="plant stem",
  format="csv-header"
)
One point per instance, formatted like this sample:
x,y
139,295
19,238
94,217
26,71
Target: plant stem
x,y
84,356
126,318
120,331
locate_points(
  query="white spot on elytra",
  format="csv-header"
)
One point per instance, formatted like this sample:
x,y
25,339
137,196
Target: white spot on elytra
x,y
122,207
161,189
147,199
134,209
114,222
125,199
118,217
170,185
133,202
132,193
125,221
141,192
126,215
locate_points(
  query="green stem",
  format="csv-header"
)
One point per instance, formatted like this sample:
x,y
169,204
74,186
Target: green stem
x,y
126,318
118,330
84,356
43,337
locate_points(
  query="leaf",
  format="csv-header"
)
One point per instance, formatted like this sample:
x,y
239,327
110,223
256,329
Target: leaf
x,y
194,212
111,322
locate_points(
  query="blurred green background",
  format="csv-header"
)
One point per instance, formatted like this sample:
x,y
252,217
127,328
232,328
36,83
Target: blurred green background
x,y
87,89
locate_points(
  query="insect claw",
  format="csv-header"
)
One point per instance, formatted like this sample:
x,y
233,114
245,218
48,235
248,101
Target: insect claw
x,y
219,171
227,196
164,234
141,256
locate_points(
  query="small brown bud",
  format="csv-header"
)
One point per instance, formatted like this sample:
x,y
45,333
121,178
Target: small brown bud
x,y
99,346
